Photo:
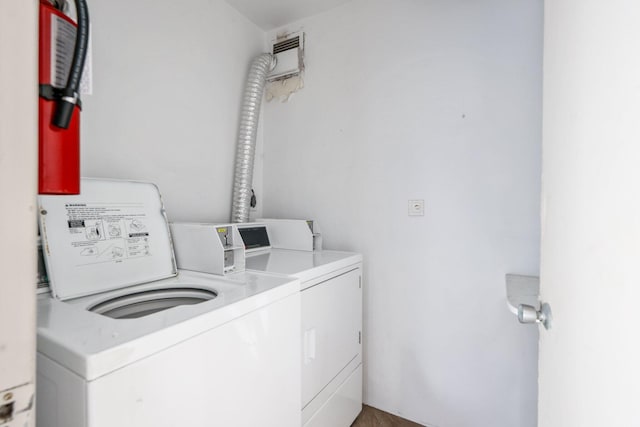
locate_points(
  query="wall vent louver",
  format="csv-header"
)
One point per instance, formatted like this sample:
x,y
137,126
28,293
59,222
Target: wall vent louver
x,y
285,45
289,52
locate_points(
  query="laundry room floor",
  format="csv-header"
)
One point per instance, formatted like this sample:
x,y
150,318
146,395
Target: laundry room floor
x,y
372,417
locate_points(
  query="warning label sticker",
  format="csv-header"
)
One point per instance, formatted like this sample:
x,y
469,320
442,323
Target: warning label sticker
x,y
107,232
63,42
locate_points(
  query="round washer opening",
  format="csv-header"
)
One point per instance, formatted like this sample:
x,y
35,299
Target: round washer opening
x,y
140,304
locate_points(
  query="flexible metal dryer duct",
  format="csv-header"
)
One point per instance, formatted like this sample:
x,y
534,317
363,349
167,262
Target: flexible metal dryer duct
x,y
246,148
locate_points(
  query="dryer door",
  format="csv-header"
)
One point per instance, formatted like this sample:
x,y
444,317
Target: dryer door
x,y
331,325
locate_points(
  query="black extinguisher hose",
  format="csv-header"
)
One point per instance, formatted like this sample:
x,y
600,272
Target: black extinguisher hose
x,y
70,96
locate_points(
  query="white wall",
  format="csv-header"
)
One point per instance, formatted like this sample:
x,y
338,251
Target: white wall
x,y
437,100
18,186
168,81
589,371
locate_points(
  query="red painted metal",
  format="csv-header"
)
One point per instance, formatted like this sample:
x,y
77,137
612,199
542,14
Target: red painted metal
x,y
59,149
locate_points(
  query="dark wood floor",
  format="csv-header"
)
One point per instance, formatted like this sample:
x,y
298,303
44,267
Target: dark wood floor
x,y
372,417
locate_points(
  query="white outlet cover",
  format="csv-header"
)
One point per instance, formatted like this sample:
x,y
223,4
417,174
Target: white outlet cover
x,y
416,207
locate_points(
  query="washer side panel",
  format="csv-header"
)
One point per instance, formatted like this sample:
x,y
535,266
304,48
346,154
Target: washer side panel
x,y
60,395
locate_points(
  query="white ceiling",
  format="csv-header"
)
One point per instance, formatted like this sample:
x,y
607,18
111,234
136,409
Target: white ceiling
x,y
270,14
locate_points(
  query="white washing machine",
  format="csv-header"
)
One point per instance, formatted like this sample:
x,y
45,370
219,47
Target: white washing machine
x,y
125,339
331,334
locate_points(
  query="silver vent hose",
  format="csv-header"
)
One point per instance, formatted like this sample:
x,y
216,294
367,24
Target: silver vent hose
x,y
246,147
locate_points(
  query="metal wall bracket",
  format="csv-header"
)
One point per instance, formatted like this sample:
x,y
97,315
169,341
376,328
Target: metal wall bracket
x,y
528,314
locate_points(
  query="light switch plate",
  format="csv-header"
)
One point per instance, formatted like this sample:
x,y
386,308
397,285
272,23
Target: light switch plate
x,y
416,207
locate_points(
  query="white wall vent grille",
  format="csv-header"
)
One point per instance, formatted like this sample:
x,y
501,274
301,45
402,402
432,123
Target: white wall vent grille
x,y
289,52
288,44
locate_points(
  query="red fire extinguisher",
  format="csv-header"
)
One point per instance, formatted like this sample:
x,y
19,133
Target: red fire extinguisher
x,y
63,49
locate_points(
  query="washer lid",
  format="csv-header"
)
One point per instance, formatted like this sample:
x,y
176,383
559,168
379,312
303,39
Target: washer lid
x,y
113,235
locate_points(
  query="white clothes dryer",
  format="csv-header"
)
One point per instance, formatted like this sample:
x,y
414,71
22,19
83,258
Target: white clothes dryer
x,y
331,334
126,339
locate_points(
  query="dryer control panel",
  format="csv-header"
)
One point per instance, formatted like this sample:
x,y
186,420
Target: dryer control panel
x,y
254,236
293,234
